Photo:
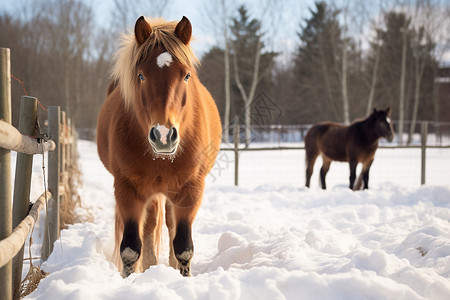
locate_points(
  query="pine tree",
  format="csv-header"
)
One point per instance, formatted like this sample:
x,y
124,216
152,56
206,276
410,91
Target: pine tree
x,y
318,64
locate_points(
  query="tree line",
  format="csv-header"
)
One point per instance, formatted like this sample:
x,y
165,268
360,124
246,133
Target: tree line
x,y
347,59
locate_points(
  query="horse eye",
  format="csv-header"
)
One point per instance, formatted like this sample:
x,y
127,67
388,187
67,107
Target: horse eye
x,y
187,77
141,77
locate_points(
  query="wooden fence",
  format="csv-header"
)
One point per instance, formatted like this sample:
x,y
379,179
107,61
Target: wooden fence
x,y
27,142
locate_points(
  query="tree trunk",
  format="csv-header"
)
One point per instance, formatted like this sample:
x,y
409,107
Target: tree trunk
x,y
419,69
346,109
401,113
227,90
436,100
66,86
374,81
248,99
326,78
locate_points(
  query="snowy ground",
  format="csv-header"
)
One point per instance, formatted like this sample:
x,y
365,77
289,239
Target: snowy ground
x,y
271,238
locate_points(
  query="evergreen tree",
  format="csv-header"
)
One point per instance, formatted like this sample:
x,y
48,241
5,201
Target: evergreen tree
x,y
317,66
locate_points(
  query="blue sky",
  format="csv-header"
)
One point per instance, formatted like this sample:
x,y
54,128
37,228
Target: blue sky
x,y
285,40
293,12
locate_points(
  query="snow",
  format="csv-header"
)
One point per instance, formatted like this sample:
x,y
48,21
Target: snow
x,y
272,238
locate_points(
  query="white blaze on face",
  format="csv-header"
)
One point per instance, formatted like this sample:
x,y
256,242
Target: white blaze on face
x,y
164,59
388,120
164,131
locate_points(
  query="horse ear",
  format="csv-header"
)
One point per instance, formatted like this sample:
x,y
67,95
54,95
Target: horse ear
x,y
388,111
142,30
184,30
374,110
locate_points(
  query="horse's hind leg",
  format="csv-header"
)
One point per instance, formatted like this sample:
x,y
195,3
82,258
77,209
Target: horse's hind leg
x,y
311,156
130,207
324,170
353,164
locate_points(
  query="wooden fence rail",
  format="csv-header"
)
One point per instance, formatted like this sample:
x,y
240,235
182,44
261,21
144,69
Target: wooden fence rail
x,y
10,246
25,143
12,139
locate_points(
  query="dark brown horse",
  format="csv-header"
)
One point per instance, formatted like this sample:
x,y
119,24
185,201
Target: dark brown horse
x,y
158,134
355,144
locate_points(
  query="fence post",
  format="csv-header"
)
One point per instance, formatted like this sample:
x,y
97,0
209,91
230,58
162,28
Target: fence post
x,y
52,226
236,154
423,140
22,183
5,170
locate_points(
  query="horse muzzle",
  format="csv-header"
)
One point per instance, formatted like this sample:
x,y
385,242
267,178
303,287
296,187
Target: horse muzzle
x,y
164,141
390,137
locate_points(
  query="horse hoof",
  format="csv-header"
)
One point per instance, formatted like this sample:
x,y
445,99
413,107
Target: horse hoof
x,y
129,259
185,271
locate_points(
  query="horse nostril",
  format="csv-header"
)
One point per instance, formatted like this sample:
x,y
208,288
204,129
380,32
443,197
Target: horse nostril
x,y
173,134
153,135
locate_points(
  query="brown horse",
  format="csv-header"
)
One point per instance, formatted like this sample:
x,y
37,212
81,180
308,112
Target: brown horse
x,y
158,134
355,144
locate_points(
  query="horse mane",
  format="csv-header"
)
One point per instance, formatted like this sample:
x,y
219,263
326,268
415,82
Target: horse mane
x,y
129,55
361,119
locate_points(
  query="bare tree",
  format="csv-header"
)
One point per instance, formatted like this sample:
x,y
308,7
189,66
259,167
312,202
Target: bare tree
x,y
268,10
219,14
401,99
345,105
428,19
376,23
126,12
69,24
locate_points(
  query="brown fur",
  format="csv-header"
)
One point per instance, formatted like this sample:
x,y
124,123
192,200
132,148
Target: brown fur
x,y
142,179
355,144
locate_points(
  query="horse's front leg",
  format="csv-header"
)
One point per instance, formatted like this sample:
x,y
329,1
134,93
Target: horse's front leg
x,y
365,172
353,164
130,208
186,204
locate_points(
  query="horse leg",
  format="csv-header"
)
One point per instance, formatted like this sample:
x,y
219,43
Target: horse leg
x,y
357,186
353,164
129,210
365,172
152,234
170,222
187,202
311,157
324,170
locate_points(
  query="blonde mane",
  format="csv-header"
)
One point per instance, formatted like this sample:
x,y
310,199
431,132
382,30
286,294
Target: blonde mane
x,y
130,55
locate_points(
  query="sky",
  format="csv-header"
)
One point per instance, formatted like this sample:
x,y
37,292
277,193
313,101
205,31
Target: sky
x,y
286,40
203,32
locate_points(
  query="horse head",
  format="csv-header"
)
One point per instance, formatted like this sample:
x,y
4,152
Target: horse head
x,y
157,86
383,124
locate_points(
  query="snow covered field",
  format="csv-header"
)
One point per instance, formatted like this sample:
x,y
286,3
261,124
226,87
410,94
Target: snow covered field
x,y
272,238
